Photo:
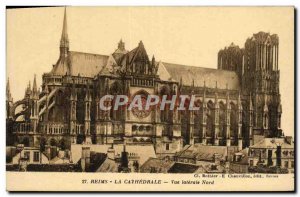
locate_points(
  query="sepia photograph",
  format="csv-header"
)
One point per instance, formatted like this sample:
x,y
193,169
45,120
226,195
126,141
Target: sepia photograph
x,y
150,99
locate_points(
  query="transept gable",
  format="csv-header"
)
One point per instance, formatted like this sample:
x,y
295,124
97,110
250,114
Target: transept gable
x,y
111,67
137,62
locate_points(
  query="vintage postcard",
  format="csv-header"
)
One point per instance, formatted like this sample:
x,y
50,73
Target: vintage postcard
x,y
150,99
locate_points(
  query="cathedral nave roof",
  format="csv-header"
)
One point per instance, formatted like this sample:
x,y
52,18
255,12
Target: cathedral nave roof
x,y
200,74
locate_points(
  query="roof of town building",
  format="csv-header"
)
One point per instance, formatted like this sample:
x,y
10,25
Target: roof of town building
x,y
144,152
183,168
109,165
202,152
273,143
161,165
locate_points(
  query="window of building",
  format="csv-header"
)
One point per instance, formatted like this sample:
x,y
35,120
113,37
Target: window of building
x,y
27,155
167,146
292,164
36,156
251,162
286,164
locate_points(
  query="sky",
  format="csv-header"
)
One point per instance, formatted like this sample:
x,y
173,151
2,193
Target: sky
x,y
184,35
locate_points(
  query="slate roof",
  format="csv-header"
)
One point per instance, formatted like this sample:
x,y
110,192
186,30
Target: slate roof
x,y
272,143
79,63
87,64
161,165
108,165
200,74
183,168
202,152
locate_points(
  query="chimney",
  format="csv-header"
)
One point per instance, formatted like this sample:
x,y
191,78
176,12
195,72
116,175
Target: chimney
x,y
216,158
111,152
85,159
278,156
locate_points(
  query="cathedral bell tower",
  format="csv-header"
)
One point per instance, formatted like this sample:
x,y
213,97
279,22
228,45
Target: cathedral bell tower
x,y
261,77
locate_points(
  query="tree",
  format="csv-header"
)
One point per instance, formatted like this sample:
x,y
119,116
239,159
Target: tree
x,y
80,138
42,144
62,144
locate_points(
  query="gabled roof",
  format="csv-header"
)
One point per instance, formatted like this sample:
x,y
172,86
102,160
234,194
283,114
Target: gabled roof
x,y
199,75
133,54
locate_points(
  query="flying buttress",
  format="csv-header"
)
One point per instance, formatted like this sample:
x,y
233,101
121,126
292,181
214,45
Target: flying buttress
x,y
45,100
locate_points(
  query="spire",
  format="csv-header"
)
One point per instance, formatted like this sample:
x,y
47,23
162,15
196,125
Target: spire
x,y
28,90
29,85
8,94
34,88
46,90
64,41
153,60
141,44
121,45
64,34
